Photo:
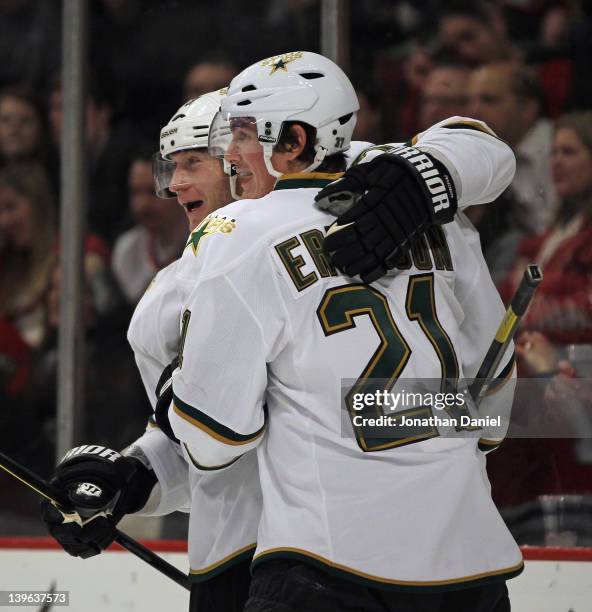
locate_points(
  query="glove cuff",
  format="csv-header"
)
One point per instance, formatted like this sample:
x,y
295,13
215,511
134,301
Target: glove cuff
x,y
136,494
433,178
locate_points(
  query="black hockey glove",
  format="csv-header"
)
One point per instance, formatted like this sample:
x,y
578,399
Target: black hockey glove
x,y
102,486
383,207
164,397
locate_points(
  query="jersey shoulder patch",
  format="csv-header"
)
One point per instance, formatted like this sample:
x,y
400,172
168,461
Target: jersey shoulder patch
x,y
214,223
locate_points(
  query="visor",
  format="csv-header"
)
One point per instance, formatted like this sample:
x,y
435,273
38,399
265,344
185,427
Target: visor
x,y
239,135
162,173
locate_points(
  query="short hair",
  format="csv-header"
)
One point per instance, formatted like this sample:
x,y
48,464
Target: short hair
x,y
333,163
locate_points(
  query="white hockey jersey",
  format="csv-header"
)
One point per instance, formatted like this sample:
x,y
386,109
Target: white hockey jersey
x,y
273,338
224,506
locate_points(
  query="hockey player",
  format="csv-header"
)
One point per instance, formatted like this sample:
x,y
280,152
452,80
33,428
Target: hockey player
x,y
399,520
154,334
154,476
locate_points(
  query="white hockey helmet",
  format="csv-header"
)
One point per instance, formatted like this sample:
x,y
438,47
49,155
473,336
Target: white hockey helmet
x,y
187,129
297,86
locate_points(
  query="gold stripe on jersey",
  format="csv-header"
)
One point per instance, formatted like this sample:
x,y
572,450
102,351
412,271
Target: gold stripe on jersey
x,y
487,445
503,377
366,579
212,427
300,180
462,125
201,575
208,468
471,125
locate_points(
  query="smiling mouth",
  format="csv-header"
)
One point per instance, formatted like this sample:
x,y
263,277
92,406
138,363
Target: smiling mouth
x,y
189,206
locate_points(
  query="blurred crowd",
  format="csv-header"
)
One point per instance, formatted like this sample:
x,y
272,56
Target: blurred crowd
x,y
519,65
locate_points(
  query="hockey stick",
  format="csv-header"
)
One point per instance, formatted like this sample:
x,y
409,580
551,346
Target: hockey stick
x,y
56,497
506,330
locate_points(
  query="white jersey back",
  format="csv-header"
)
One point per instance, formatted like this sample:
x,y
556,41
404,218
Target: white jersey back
x,y
224,506
278,326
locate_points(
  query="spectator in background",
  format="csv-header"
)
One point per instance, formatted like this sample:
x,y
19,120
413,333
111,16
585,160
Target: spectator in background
x,y
29,42
155,241
474,33
401,80
208,75
369,124
562,308
109,146
23,127
507,97
560,314
27,241
27,238
443,94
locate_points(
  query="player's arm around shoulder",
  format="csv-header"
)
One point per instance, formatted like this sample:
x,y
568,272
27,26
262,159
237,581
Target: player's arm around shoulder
x,y
481,164
230,329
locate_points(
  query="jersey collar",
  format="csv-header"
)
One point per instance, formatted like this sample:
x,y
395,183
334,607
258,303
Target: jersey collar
x,y
299,180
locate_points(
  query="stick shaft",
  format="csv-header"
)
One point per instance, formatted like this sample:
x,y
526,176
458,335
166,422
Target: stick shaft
x,y
506,330
52,494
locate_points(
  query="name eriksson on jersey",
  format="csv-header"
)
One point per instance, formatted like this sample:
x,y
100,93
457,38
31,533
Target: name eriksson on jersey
x,y
431,421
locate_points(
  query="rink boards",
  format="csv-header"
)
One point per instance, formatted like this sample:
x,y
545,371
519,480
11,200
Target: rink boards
x,y
555,579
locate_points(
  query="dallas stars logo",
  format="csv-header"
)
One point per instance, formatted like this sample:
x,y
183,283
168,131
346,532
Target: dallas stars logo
x,y
212,224
279,62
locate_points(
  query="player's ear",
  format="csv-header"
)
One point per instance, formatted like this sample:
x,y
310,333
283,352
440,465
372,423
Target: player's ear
x,y
297,142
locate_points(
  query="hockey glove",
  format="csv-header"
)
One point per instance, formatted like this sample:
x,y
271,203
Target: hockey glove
x,y
164,397
102,486
383,207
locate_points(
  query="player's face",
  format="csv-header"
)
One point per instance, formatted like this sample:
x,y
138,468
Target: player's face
x,y
200,184
571,164
246,154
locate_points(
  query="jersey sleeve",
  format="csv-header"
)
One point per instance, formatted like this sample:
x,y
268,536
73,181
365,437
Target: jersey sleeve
x,y
153,332
481,165
230,332
172,491
483,312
